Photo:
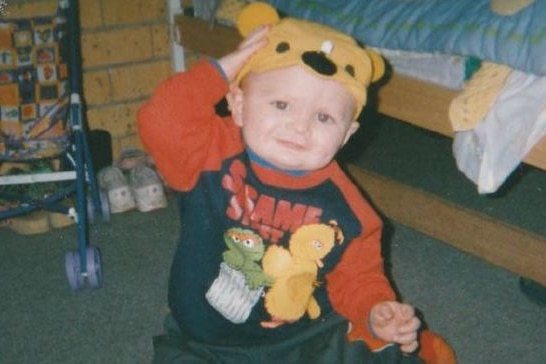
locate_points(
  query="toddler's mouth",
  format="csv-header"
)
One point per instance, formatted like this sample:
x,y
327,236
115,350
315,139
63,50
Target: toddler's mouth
x,y
291,144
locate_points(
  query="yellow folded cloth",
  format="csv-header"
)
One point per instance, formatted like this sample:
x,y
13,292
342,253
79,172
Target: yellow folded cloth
x,y
478,96
509,7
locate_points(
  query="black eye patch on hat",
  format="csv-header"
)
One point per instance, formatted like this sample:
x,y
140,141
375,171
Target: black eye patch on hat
x,y
319,63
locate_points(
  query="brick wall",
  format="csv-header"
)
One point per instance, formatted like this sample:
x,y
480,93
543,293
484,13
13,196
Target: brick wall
x,y
126,53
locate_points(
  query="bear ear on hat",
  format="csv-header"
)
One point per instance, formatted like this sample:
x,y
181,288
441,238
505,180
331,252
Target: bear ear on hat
x,y
254,15
378,65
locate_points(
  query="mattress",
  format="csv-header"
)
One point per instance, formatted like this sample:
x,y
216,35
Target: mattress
x,y
463,27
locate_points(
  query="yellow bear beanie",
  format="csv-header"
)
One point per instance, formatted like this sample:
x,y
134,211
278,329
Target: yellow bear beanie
x,y
328,53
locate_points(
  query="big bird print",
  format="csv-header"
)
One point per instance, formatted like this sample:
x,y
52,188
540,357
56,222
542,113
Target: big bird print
x,y
294,271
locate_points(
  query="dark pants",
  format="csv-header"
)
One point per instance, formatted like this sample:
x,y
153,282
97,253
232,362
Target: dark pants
x,y
324,343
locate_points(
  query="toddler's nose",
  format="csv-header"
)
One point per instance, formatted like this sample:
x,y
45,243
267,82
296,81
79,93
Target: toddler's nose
x,y
300,125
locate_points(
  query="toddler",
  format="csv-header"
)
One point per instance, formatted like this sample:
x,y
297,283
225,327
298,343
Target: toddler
x,y
279,256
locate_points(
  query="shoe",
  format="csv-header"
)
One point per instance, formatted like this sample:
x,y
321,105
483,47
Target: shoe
x,y
119,194
130,158
147,189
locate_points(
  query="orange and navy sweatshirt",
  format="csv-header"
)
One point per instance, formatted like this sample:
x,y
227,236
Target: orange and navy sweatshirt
x,y
233,208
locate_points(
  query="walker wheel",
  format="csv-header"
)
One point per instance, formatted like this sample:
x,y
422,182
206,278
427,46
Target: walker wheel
x,y
73,270
94,267
104,205
90,210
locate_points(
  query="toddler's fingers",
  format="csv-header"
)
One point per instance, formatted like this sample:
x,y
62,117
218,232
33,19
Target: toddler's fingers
x,y
406,338
382,314
410,326
407,311
386,311
256,36
410,347
249,49
233,62
251,44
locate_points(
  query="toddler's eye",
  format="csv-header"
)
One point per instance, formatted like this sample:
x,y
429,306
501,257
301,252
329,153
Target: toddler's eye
x,y
280,105
324,118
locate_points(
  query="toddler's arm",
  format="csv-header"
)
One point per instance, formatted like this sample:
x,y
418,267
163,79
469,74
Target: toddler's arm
x,y
178,126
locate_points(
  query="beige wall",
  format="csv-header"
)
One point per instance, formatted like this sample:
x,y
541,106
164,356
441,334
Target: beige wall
x,y
126,53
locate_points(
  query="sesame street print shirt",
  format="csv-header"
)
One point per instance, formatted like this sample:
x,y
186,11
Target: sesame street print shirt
x,y
262,254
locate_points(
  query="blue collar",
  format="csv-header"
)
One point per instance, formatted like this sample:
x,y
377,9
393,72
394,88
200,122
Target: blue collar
x,y
262,162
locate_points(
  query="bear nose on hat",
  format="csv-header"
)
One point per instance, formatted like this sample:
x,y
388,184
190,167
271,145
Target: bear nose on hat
x,y
319,63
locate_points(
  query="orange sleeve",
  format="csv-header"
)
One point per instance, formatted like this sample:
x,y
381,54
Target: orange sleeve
x,y
180,129
358,282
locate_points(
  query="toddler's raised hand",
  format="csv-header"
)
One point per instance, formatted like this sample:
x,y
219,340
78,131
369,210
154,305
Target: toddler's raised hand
x,y
233,62
395,322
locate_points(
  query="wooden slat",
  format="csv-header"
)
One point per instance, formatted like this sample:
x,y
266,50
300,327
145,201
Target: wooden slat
x,y
200,36
537,156
499,243
417,102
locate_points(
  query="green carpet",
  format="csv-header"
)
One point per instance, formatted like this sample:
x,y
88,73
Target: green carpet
x,y
475,305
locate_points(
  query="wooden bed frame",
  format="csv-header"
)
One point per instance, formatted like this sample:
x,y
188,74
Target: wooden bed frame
x,y
424,105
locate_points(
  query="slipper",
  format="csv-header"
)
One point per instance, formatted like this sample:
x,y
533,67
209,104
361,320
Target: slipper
x,y
59,220
30,224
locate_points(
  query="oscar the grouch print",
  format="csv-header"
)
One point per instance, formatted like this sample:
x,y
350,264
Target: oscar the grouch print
x,y
245,250
241,280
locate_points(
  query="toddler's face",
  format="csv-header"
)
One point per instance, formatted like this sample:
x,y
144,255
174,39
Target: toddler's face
x,y
292,118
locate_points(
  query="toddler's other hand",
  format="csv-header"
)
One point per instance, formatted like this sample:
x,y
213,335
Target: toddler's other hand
x,y
233,62
395,322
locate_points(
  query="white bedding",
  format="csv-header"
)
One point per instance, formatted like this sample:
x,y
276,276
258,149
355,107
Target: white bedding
x,y
441,69
489,153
